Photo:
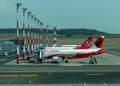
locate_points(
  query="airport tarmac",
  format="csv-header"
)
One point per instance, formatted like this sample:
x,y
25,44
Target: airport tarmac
x,y
103,59
88,75
52,78
78,72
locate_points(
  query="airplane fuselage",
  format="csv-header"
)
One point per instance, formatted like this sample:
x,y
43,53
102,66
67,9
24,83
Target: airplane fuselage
x,y
78,53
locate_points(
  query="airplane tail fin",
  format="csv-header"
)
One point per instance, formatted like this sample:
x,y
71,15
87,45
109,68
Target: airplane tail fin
x,y
99,42
86,44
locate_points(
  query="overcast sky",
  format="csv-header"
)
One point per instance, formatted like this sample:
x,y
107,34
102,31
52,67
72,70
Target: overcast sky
x,y
102,15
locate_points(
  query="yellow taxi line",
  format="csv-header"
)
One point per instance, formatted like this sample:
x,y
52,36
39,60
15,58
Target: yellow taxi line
x,y
18,75
96,74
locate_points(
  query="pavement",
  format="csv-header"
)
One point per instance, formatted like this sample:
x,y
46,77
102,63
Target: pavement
x,y
60,78
78,72
84,84
103,59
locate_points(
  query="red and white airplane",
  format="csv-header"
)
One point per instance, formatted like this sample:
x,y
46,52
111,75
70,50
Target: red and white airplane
x,y
85,45
74,53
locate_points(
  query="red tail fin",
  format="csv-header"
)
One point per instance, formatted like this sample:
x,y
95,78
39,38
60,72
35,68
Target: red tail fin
x,y
86,44
98,43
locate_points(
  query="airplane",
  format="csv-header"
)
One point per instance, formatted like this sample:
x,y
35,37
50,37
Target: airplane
x,y
91,52
74,53
85,45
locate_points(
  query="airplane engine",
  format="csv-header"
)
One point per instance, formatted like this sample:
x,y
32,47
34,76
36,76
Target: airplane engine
x,y
56,59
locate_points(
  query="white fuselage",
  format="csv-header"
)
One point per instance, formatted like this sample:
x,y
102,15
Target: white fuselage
x,y
70,45
67,50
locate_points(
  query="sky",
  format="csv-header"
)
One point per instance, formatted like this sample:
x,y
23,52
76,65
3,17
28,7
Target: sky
x,y
102,15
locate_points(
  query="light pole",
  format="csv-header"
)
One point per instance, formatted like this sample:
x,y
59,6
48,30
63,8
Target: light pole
x,y
32,39
47,35
38,34
41,35
35,33
28,47
55,37
17,36
24,10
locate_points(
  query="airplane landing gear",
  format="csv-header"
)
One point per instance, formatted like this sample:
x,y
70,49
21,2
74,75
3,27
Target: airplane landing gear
x,y
40,55
66,61
40,60
63,58
93,60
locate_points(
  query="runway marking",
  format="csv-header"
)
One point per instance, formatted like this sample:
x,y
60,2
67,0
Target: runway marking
x,y
29,75
18,75
43,78
8,75
96,74
30,82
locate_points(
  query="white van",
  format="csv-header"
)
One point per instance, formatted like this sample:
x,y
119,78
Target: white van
x,y
5,53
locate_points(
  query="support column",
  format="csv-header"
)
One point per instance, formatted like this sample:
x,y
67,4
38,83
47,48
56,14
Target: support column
x,y
24,56
55,37
28,44
17,36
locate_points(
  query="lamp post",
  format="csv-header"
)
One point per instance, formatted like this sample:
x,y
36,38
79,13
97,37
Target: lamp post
x,y
38,35
24,10
28,44
35,33
32,39
17,35
41,35
55,37
47,35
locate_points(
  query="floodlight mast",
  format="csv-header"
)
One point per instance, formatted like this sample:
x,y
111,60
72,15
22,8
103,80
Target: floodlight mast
x,y
17,34
24,56
54,37
17,6
34,33
32,38
28,44
47,35
41,35
38,34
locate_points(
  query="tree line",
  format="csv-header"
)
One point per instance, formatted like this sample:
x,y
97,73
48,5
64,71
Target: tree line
x,y
64,31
